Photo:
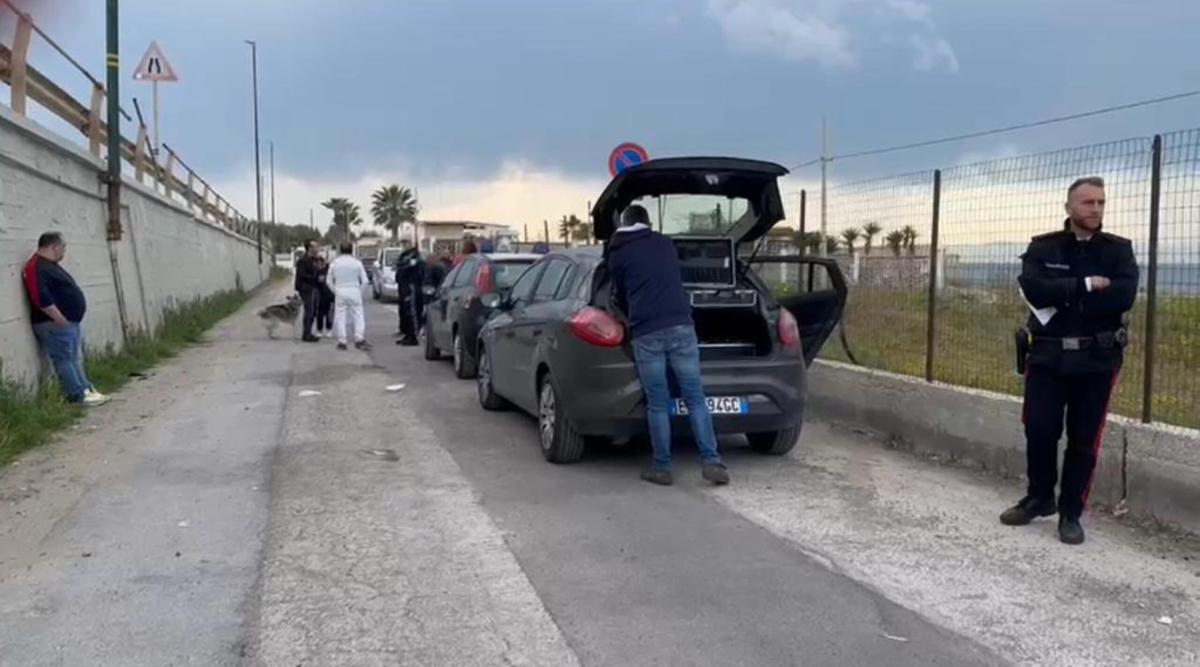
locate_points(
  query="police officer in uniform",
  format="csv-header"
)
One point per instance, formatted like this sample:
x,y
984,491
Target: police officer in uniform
x,y
410,277
1079,284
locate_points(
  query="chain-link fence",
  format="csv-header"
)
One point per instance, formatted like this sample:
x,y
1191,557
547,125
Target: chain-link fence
x,y
956,235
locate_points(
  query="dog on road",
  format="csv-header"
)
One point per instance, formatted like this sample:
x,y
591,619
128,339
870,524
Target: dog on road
x,y
281,313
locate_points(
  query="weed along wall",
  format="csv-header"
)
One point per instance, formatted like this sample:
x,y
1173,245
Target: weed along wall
x,y
167,256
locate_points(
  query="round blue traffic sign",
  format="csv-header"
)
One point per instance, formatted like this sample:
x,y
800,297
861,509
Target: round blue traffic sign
x,y
625,156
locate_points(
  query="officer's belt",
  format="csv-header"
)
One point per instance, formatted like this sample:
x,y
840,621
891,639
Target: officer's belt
x,y
1107,339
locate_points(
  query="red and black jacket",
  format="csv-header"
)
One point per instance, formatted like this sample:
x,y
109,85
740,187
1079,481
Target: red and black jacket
x,y
48,284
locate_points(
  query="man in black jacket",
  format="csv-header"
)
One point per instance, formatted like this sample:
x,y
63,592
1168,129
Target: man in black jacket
x,y
410,278
309,287
1079,283
648,287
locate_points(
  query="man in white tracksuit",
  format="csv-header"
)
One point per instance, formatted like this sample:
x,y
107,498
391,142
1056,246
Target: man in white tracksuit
x,y
347,276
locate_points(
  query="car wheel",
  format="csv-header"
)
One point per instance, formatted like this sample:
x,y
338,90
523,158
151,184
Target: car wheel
x,y
464,363
432,353
488,398
775,443
561,443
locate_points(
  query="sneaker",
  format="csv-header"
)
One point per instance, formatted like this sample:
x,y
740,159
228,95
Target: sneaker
x,y
1025,511
310,339
92,399
408,341
1069,530
362,345
715,473
658,476
341,346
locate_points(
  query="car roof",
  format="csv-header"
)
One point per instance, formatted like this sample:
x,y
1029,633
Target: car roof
x,y
512,256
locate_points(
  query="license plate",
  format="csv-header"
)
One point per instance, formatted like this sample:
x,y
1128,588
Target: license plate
x,y
717,405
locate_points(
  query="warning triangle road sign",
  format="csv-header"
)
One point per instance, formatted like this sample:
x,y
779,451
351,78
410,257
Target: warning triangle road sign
x,y
154,66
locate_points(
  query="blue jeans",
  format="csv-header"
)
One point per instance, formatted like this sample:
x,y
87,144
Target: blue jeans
x,y
64,346
677,349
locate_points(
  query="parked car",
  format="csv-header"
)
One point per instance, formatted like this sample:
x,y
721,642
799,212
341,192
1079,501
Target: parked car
x,y
455,314
383,275
558,348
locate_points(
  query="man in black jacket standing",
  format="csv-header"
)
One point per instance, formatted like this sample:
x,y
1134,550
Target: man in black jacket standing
x,y
1079,283
648,287
410,278
309,288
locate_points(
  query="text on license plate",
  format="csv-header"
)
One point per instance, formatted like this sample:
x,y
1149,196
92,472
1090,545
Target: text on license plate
x,y
717,405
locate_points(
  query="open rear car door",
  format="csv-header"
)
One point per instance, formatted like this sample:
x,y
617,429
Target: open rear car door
x,y
814,292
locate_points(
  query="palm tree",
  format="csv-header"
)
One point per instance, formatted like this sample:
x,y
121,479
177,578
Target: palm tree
x,y
910,239
392,206
895,241
870,231
567,227
810,241
831,244
346,214
850,236
582,231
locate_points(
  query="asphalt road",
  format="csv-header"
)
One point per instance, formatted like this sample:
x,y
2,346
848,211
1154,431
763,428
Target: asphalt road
x,y
635,574
269,502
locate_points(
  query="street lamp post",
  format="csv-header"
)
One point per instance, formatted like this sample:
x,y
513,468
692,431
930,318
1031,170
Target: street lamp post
x,y
257,167
272,182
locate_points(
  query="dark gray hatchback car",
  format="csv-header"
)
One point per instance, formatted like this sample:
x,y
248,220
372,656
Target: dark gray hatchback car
x,y
558,347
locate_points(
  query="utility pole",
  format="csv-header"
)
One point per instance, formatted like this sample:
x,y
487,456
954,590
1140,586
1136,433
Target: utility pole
x,y
824,187
257,167
272,182
113,67
112,63
546,230
311,223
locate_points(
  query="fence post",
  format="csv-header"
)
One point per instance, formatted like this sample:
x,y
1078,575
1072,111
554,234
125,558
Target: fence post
x,y
1152,279
931,316
19,81
800,239
94,120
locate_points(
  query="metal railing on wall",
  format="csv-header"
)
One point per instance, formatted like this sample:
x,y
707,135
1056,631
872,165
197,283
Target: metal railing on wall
x,y
27,84
935,296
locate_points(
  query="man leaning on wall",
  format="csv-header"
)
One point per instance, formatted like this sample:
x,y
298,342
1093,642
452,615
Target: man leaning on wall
x,y
57,307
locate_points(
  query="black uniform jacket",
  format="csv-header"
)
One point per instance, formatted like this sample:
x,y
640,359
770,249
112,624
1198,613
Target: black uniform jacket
x,y
1053,273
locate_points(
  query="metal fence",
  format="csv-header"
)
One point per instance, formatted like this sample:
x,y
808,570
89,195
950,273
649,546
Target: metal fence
x,y
941,302
171,177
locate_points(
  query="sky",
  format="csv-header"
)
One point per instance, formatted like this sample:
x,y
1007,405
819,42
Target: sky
x,y
506,111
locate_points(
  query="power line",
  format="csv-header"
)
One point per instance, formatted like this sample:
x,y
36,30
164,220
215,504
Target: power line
x,y
1001,130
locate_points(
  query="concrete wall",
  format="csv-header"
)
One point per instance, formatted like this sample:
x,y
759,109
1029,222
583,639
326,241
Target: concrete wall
x,y
1154,469
167,256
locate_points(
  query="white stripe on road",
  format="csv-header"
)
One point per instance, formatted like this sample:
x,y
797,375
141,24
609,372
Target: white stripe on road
x,y
373,561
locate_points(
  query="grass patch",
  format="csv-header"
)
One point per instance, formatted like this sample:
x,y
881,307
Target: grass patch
x,y
974,347
29,418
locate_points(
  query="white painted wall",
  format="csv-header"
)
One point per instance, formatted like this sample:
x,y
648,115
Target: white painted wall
x,y
167,256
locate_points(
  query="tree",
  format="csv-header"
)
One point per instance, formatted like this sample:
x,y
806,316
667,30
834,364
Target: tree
x,y
583,232
809,241
346,215
870,231
850,236
567,227
895,241
831,244
284,238
393,206
910,239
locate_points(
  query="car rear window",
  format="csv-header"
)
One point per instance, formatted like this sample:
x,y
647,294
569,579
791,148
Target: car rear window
x,y
505,274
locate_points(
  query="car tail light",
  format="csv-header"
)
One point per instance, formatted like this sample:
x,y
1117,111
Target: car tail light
x,y
596,327
483,280
789,331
